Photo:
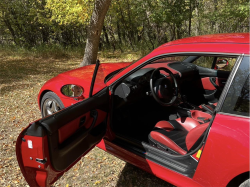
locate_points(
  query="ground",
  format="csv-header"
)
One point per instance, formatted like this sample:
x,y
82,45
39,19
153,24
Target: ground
x,y
21,77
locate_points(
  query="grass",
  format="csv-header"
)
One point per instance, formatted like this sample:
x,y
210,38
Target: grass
x,y
22,74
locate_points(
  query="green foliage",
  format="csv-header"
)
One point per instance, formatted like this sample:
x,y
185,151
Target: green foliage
x,y
139,25
67,12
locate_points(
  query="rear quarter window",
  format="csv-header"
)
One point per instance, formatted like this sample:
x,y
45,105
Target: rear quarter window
x,y
237,99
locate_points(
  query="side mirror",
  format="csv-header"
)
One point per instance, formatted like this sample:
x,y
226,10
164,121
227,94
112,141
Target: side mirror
x,y
72,90
221,63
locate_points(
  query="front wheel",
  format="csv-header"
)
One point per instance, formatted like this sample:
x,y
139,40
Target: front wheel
x,y
246,183
50,104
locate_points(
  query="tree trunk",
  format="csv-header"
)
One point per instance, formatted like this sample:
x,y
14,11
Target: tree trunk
x,y
94,31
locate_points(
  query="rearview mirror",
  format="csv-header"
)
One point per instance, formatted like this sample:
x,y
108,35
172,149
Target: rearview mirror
x,y
72,90
221,63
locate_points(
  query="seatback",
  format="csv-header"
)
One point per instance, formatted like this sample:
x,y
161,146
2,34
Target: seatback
x,y
194,134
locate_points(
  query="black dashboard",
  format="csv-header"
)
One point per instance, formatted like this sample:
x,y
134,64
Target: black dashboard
x,y
137,84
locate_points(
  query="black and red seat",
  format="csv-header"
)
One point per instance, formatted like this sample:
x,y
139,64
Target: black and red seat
x,y
177,136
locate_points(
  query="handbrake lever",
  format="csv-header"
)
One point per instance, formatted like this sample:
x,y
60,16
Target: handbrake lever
x,y
207,108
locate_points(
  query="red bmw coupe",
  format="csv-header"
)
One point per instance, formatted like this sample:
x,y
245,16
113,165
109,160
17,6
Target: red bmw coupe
x,y
180,113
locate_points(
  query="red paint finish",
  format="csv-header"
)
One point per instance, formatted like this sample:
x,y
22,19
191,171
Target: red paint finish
x,y
32,148
226,152
30,167
82,77
213,38
147,165
171,176
41,178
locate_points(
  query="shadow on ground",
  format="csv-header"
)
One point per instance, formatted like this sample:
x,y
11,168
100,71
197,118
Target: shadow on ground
x,y
132,176
16,72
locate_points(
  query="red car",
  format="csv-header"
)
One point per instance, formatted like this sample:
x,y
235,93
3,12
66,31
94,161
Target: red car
x,y
180,113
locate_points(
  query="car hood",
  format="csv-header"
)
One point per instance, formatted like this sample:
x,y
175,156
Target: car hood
x,y
81,76
86,72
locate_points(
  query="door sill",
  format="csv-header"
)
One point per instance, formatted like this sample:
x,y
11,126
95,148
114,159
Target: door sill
x,y
186,166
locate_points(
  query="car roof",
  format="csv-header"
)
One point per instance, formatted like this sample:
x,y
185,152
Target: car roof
x,y
236,38
234,43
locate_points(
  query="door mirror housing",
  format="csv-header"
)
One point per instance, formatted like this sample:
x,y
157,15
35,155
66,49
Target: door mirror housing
x,y
72,90
221,63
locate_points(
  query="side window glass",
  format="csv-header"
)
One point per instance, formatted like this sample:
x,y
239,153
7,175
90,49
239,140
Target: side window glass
x,y
242,103
218,63
237,99
204,61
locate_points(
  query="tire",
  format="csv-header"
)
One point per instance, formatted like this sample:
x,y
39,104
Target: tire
x,y
246,183
50,104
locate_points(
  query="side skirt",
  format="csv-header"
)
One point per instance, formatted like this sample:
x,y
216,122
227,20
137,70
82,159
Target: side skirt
x,y
185,166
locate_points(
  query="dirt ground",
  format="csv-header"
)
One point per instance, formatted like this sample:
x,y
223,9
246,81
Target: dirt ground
x,y
21,78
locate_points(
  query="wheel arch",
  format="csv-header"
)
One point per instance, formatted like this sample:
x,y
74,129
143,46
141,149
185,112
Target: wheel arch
x,y
237,180
41,96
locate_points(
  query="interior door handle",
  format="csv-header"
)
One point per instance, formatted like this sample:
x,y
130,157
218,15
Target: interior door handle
x,y
93,114
213,80
82,121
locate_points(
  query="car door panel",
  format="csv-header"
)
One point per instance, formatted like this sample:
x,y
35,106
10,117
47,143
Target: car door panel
x,y
211,83
55,143
83,121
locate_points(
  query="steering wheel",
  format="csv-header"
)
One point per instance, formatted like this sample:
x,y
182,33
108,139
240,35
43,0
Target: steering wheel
x,y
162,89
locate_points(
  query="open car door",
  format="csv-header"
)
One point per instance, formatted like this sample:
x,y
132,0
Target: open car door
x,y
50,146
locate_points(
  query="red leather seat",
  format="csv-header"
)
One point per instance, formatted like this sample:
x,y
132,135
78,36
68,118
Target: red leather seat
x,y
177,136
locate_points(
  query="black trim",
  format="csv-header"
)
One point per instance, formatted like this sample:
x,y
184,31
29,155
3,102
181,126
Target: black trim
x,y
212,80
229,82
35,129
214,62
93,78
112,74
185,166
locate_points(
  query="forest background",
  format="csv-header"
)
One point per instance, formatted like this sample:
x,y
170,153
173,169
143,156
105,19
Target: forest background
x,y
137,25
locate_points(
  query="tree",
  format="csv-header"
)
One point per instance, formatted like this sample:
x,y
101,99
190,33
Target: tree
x,y
94,31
